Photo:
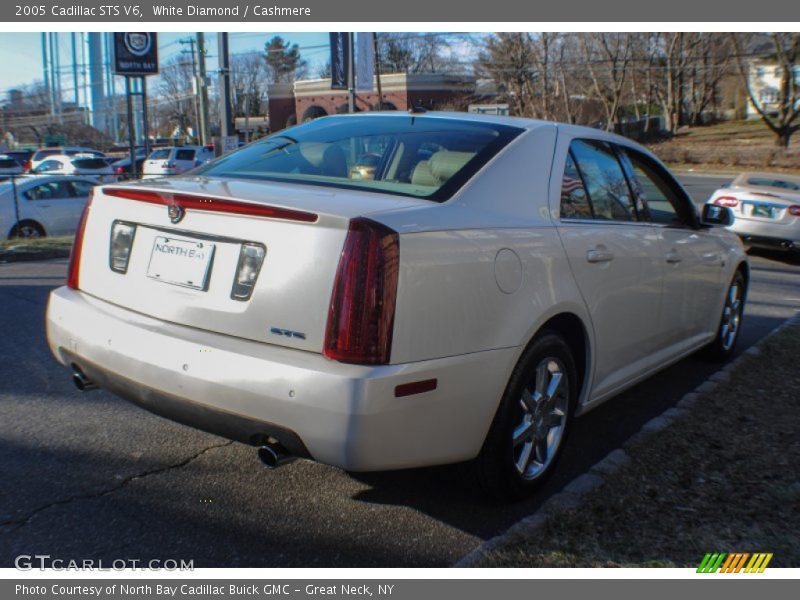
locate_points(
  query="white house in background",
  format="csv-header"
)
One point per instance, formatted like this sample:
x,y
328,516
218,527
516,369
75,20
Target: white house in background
x,y
765,82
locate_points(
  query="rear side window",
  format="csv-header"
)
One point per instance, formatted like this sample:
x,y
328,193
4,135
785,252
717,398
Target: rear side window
x,y
604,180
81,189
89,163
184,155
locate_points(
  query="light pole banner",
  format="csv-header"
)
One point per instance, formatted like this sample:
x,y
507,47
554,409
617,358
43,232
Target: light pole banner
x,y
365,62
340,65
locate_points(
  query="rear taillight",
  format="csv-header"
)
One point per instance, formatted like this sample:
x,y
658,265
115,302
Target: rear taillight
x,y
361,316
794,210
122,235
170,165
727,201
74,269
27,166
119,170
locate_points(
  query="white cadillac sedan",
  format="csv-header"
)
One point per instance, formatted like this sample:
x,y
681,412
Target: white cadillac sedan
x,y
386,291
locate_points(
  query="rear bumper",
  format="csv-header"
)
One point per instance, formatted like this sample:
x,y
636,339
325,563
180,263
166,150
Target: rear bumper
x,y
770,235
339,414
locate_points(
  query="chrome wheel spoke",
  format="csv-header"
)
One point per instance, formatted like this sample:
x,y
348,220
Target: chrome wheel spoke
x,y
541,450
523,432
553,387
530,401
524,458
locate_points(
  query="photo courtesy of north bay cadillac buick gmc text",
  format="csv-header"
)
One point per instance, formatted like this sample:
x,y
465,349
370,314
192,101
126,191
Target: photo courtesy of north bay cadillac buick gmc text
x,y
392,290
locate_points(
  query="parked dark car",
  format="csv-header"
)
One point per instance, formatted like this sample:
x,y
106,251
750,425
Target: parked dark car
x,y
122,168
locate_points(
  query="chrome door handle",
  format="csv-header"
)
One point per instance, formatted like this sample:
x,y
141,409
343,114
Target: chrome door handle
x,y
599,256
673,257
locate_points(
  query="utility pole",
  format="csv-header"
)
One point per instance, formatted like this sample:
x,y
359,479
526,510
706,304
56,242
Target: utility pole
x,y
191,42
351,76
225,120
75,70
202,88
377,69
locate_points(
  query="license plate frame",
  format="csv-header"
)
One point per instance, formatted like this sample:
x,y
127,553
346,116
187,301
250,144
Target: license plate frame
x,y
183,262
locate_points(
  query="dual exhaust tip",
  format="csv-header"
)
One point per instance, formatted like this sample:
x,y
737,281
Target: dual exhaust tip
x,y
272,454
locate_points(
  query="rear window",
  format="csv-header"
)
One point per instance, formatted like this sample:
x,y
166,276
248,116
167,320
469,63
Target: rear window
x,y
184,155
89,163
8,163
42,154
776,183
161,154
417,156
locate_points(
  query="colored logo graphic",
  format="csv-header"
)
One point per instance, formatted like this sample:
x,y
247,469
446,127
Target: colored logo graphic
x,y
744,562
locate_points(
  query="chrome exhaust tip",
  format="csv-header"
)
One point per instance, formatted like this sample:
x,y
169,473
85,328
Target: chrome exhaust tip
x,y
273,455
82,382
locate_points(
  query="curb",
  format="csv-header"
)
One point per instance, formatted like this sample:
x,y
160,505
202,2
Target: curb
x,y
27,255
573,493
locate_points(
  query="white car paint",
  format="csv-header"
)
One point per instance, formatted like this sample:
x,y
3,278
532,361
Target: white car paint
x,y
52,203
44,153
175,160
85,165
479,275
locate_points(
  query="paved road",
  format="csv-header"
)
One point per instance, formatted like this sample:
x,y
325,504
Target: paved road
x,y
91,476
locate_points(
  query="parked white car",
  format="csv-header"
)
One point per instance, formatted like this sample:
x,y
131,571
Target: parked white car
x,y
44,205
79,164
463,297
44,153
9,166
766,209
175,160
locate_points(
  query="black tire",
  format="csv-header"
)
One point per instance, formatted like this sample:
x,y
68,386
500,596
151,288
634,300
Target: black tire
x,y
724,344
497,466
27,230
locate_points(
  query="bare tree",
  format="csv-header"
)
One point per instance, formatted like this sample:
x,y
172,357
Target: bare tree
x,y
785,53
248,83
415,53
607,58
177,108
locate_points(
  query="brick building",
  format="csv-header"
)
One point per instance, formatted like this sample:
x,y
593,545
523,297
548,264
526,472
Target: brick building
x,y
294,103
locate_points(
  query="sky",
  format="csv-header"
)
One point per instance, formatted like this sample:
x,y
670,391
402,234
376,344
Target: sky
x,y
22,55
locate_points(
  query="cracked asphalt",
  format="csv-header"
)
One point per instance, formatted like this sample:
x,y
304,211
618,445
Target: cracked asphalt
x,y
89,476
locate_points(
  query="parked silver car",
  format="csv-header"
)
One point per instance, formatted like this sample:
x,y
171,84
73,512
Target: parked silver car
x,y
766,209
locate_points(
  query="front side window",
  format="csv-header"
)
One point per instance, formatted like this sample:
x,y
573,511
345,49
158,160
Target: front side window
x,y
604,180
48,191
417,156
656,191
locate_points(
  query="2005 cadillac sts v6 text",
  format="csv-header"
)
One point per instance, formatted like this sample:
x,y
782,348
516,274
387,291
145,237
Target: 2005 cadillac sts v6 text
x,y
396,290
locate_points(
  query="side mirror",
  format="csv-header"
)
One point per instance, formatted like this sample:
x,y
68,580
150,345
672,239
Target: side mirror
x,y
713,215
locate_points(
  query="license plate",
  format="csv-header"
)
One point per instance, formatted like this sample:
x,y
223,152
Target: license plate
x,y
181,262
762,211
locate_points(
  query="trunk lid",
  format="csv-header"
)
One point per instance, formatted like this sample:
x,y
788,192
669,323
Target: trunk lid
x,y
183,270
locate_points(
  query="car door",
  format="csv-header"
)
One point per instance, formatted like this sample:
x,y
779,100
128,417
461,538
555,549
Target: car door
x,y
615,259
80,191
691,257
49,204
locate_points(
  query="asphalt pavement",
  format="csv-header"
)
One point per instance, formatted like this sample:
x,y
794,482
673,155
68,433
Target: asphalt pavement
x,y
90,476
